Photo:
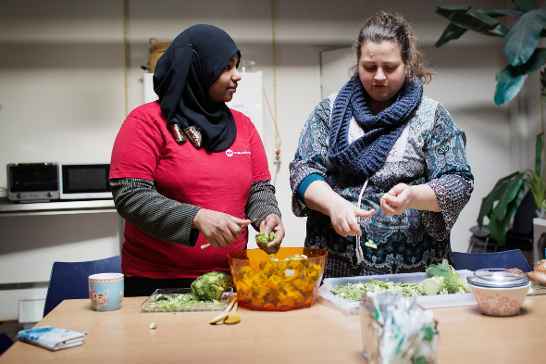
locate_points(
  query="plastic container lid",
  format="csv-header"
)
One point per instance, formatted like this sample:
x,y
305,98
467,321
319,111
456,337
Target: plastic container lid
x,y
498,278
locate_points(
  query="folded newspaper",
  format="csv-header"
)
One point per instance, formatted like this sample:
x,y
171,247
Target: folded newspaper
x,y
397,330
51,338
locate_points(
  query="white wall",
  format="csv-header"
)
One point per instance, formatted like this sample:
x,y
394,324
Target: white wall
x,y
63,95
61,99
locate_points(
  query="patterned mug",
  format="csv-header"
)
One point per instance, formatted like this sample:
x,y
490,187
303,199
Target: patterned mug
x,y
106,291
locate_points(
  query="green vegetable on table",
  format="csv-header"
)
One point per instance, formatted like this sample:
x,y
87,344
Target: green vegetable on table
x,y
453,282
354,291
206,294
442,279
264,242
210,286
179,302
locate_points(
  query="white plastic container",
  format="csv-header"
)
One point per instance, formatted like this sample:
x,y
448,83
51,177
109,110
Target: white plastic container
x,y
353,307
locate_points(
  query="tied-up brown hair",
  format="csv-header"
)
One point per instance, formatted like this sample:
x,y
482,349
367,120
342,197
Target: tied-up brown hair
x,y
385,26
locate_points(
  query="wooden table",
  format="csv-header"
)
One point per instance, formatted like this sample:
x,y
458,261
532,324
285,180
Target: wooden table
x,y
319,334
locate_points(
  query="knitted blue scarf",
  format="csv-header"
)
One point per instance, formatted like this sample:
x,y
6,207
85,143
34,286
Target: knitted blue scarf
x,y
367,154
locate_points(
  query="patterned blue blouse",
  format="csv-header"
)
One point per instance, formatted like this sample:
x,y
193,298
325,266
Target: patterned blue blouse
x,y
430,150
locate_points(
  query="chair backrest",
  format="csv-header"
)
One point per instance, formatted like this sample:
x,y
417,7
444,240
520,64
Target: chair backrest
x,y
69,279
505,259
5,343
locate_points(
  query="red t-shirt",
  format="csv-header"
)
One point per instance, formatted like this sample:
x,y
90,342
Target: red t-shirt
x,y
145,148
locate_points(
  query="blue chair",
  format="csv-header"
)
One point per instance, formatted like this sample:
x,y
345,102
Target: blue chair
x,y
69,279
505,259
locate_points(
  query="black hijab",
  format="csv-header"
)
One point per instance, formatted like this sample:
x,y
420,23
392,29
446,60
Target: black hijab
x,y
182,78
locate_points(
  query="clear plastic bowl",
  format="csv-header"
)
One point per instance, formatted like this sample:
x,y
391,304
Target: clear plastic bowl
x,y
284,281
498,291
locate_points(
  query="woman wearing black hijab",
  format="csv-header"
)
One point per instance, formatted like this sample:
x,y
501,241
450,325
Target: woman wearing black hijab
x,y
189,174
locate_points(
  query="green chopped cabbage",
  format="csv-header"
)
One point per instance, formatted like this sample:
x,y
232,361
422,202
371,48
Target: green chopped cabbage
x,y
442,279
432,286
354,291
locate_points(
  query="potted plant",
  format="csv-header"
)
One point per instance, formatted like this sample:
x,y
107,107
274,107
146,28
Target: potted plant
x,y
521,27
521,39
501,204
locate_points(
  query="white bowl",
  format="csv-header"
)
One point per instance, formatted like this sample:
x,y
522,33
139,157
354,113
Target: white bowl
x,y
500,301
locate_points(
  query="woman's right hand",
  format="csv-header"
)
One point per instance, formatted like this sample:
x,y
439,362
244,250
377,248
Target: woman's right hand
x,y
343,215
219,229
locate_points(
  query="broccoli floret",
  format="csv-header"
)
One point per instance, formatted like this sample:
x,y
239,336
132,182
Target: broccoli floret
x,y
263,240
210,286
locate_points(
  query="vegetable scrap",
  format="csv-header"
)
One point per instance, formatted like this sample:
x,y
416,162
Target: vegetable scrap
x,y
370,244
232,319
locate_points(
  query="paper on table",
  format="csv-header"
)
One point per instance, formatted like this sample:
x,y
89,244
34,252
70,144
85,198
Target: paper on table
x,y
52,338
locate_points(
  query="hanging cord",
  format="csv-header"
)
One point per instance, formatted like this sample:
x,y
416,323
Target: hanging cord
x,y
126,57
277,160
277,140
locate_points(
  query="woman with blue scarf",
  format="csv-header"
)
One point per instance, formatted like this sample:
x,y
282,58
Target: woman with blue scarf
x,y
380,170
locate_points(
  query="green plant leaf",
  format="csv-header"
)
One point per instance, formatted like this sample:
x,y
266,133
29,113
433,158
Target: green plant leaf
x,y
508,86
477,20
451,32
498,13
489,200
525,5
497,232
501,228
538,189
511,79
510,192
533,64
539,145
449,10
524,36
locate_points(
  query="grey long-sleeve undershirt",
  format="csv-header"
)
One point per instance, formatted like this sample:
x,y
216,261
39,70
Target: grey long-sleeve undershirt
x,y
139,202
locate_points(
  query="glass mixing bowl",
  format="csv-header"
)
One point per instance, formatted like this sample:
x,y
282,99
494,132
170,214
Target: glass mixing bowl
x,y
499,291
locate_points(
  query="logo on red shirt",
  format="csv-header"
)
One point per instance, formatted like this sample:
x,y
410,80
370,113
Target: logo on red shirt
x,y
230,153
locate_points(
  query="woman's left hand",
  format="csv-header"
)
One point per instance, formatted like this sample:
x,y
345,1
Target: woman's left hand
x,y
273,223
398,199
